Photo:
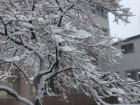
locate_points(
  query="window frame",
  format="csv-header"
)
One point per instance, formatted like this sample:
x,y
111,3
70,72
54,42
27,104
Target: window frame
x,y
78,90
10,81
127,48
128,75
51,84
138,76
101,12
105,31
32,90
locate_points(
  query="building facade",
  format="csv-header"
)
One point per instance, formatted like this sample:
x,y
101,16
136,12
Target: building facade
x,y
129,65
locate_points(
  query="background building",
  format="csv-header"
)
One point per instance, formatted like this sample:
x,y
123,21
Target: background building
x,y
129,65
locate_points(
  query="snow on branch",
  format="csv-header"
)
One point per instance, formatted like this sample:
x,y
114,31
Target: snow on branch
x,y
62,40
15,95
24,73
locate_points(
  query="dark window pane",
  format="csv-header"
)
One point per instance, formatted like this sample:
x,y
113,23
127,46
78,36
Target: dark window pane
x,y
73,90
87,90
124,48
128,48
139,76
94,10
84,88
129,75
3,94
95,55
104,13
14,86
52,85
79,89
57,91
32,90
98,11
118,84
105,31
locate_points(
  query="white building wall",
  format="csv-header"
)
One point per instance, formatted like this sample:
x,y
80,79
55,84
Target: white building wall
x,y
130,62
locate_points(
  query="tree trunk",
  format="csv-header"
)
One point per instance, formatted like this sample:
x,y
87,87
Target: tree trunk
x,y
37,102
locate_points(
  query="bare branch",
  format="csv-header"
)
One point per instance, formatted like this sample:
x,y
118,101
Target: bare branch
x,y
24,73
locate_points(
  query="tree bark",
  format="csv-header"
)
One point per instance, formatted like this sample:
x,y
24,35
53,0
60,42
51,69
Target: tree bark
x,y
37,102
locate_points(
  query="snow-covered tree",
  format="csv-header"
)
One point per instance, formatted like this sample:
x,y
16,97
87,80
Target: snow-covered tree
x,y
57,39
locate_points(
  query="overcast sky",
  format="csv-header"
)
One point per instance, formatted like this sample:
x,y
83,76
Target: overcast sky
x,y
124,31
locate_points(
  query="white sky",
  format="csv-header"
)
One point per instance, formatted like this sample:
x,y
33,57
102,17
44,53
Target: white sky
x,y
124,31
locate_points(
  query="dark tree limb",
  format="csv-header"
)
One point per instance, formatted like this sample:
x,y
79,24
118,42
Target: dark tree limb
x,y
24,73
37,78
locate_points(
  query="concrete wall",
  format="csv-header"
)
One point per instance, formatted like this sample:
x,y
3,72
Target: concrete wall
x,y
130,61
104,23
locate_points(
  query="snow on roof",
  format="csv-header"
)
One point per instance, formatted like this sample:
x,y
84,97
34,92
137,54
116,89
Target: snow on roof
x,y
127,39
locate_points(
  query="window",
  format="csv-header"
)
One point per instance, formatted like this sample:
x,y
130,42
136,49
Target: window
x,y
93,10
8,46
3,93
85,88
128,48
99,11
117,83
14,85
133,75
95,55
104,32
53,86
32,90
78,89
118,73
103,13
128,75
139,76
